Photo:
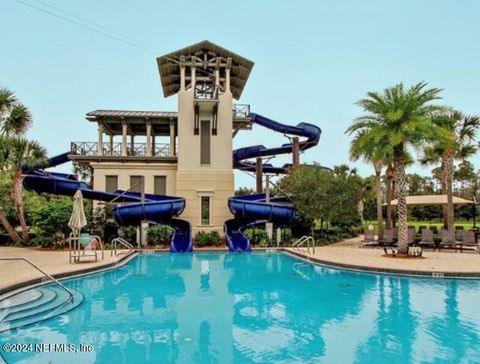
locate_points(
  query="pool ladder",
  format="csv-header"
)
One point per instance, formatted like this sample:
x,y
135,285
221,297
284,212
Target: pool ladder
x,y
305,240
123,242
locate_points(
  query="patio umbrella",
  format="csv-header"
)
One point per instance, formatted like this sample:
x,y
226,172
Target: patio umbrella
x,y
77,219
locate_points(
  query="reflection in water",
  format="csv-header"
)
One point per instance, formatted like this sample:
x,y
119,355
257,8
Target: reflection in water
x,y
241,308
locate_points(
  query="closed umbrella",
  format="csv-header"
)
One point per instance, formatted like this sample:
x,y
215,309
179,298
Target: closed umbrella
x,y
77,219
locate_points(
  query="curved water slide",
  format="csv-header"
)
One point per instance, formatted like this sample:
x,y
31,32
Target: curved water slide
x,y
254,209
156,209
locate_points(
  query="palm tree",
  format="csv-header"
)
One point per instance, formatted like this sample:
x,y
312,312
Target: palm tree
x,y
365,145
7,102
402,118
21,153
457,143
17,122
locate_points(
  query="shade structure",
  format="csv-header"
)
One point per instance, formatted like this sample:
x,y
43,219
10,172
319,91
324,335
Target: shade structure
x,y
434,200
77,219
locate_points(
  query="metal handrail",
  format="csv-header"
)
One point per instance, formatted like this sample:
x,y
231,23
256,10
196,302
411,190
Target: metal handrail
x,y
70,293
305,239
123,242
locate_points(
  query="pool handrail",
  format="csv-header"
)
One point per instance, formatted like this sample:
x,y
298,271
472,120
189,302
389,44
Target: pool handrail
x,y
305,239
70,293
123,242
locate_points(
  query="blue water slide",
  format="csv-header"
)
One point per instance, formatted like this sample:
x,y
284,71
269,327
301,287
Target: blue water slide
x,y
254,209
154,208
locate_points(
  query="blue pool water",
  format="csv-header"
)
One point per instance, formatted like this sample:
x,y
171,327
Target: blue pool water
x,y
258,308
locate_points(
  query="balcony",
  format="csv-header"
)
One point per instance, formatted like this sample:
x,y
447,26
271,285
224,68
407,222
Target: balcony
x,y
241,111
206,92
114,150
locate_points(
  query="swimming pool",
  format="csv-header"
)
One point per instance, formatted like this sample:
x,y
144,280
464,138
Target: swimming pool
x,y
258,308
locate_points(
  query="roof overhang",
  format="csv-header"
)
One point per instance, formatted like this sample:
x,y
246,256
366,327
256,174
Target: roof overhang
x,y
202,54
433,200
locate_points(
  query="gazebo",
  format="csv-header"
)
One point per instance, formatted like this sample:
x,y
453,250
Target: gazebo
x,y
438,200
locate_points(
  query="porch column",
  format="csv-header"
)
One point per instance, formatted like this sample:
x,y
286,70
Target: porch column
x,y
111,145
132,146
182,73
124,139
100,140
149,138
193,75
227,74
171,149
153,145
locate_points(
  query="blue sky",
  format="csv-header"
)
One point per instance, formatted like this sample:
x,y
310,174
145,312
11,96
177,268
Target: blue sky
x,y
313,60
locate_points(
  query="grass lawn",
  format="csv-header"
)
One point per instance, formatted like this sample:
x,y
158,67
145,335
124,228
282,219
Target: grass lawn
x,y
467,224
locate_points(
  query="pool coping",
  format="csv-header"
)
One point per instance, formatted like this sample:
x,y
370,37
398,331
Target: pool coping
x,y
326,263
384,271
63,275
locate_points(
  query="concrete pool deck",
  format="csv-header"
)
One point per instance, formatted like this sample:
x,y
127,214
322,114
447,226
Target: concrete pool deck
x,y
15,274
347,254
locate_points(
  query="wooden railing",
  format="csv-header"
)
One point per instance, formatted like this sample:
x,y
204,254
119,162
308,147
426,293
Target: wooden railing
x,y
115,150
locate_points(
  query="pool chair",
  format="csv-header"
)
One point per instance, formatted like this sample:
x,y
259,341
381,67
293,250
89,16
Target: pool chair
x,y
459,232
427,240
411,236
448,239
369,239
387,238
469,241
85,246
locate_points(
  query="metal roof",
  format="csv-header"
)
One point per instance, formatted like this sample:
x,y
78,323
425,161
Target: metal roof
x,y
131,114
169,67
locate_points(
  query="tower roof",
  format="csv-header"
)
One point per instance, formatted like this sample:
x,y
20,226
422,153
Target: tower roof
x,y
202,54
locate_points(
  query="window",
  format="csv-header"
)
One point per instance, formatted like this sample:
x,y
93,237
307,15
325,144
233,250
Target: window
x,y
205,142
111,183
160,185
205,210
135,184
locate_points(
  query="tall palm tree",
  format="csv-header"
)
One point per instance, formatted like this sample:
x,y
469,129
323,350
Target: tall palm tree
x,y
457,143
365,145
402,118
18,121
21,153
7,102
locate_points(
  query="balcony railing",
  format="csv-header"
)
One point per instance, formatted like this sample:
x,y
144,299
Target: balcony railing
x,y
241,110
206,91
115,150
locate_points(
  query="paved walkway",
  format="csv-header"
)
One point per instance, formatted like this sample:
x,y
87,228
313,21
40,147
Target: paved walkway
x,y
55,263
348,254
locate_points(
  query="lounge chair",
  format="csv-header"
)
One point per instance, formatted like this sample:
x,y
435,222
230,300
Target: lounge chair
x,y
459,232
448,239
411,236
469,241
387,238
427,240
85,246
369,239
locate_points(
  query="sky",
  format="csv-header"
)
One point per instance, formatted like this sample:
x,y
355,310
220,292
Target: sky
x,y
313,60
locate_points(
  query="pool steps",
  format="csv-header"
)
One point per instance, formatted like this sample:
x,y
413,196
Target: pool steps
x,y
35,305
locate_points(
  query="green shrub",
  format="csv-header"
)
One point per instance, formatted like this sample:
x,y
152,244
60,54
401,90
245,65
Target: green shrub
x,y
129,233
52,217
159,234
257,236
204,238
